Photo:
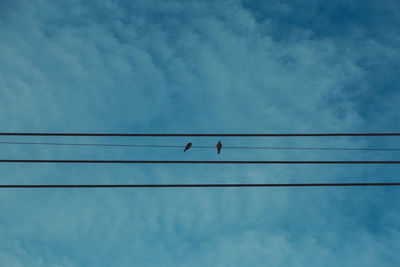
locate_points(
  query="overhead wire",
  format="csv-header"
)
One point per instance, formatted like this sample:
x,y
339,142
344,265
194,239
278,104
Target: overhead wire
x,y
87,144
206,147
195,161
193,185
197,134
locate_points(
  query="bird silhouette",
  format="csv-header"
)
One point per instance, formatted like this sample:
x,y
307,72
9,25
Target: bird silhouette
x,y
219,146
189,145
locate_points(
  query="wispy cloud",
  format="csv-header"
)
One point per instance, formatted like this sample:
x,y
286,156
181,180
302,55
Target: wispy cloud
x,y
186,66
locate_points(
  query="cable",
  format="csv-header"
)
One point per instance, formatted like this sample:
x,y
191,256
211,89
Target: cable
x,y
86,144
197,185
209,147
200,135
192,161
313,148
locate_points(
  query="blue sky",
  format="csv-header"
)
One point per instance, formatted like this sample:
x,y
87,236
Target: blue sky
x,y
199,66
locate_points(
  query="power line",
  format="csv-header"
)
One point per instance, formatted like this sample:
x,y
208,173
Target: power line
x,y
199,135
208,147
312,148
196,185
92,144
193,161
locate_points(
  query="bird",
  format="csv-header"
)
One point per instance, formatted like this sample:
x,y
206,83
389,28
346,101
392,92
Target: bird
x,y
187,147
219,146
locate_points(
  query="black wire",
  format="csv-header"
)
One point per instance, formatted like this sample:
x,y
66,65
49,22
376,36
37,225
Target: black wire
x,y
200,135
192,162
316,148
86,144
209,147
197,185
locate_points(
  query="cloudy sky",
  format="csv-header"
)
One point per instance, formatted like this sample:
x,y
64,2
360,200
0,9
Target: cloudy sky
x,y
199,66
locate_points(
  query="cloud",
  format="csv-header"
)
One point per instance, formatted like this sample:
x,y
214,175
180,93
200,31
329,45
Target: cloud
x,y
145,66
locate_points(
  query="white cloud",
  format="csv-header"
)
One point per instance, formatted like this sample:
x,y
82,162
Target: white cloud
x,y
182,67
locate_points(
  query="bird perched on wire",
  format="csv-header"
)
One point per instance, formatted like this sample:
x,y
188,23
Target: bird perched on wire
x,y
189,145
219,146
